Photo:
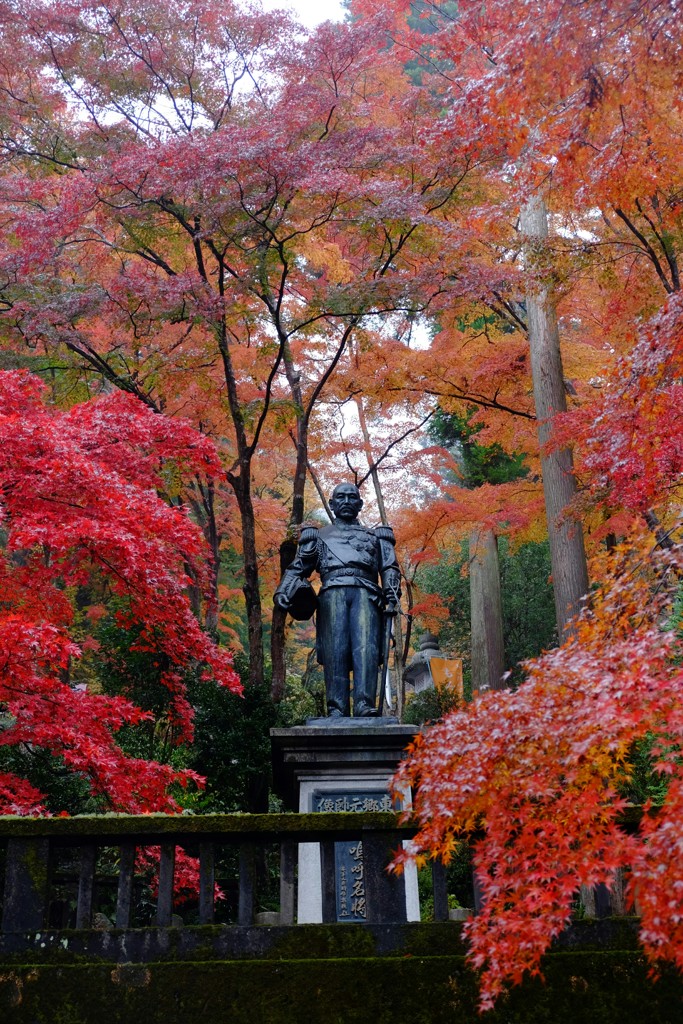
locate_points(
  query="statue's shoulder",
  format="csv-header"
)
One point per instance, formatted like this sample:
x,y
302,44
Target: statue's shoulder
x,y
309,535
384,533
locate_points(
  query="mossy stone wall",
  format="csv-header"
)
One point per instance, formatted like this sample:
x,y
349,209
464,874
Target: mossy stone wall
x,y
610,987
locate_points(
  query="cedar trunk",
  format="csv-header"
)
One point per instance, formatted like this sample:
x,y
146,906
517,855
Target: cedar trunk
x,y
488,659
567,553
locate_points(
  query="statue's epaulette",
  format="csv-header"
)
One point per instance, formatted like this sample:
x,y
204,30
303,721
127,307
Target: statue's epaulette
x,y
385,533
308,535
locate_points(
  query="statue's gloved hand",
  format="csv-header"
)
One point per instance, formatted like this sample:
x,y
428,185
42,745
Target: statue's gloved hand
x,y
390,603
286,590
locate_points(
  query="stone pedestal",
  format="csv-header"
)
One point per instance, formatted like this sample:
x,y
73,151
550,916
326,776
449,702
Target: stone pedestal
x,y
340,765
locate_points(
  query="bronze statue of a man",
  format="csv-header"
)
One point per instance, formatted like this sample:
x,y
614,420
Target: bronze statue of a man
x,y
360,586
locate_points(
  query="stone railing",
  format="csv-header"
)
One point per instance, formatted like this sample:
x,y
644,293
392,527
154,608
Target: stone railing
x,y
84,872
121,872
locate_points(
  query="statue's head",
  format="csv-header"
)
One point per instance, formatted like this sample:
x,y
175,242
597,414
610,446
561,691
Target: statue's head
x,y
346,502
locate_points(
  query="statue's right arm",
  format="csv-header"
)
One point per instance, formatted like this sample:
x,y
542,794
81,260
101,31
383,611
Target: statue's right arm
x,y
304,563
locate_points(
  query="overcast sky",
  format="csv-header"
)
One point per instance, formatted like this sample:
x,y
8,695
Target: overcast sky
x,y
310,12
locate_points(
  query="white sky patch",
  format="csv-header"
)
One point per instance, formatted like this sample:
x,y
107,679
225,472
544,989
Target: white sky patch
x,y
580,233
309,12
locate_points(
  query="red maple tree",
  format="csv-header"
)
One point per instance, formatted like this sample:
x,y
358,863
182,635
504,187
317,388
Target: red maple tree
x,y
80,503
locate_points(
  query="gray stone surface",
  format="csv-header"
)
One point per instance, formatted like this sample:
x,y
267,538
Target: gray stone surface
x,y
360,748
417,674
340,722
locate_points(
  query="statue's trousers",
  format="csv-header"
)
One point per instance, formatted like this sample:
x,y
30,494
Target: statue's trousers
x,y
349,638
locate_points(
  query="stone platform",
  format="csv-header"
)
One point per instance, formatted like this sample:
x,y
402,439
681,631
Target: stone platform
x,y
341,765
336,748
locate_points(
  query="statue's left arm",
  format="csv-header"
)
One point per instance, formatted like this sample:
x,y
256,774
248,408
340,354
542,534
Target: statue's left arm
x,y
301,568
389,571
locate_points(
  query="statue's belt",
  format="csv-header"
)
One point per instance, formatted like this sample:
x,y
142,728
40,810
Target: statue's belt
x,y
348,575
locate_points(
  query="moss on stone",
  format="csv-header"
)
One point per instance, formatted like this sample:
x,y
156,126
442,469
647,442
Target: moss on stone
x,y
620,933
209,942
115,827
602,987
33,857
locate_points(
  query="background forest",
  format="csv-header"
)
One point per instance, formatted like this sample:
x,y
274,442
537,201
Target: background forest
x,y
433,250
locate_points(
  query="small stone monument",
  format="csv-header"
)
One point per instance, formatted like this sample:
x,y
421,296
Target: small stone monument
x,y
430,667
417,674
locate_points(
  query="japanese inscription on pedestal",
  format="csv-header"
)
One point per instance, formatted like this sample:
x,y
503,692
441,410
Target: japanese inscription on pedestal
x,y
348,857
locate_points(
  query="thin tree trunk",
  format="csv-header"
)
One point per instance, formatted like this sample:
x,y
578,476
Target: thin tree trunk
x,y
321,494
567,553
488,656
278,626
367,444
239,478
277,648
214,540
250,587
202,501
288,547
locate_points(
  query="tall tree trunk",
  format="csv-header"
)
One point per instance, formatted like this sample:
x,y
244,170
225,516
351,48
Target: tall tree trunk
x,y
367,445
214,540
567,553
250,587
488,656
239,478
288,546
278,625
201,497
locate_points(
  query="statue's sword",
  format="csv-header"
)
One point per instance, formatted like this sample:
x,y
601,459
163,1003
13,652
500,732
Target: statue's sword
x,y
386,648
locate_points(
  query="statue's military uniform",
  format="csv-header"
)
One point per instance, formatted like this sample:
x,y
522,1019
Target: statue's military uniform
x,y
350,559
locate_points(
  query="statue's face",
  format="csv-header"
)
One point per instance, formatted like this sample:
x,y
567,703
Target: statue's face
x,y
346,502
